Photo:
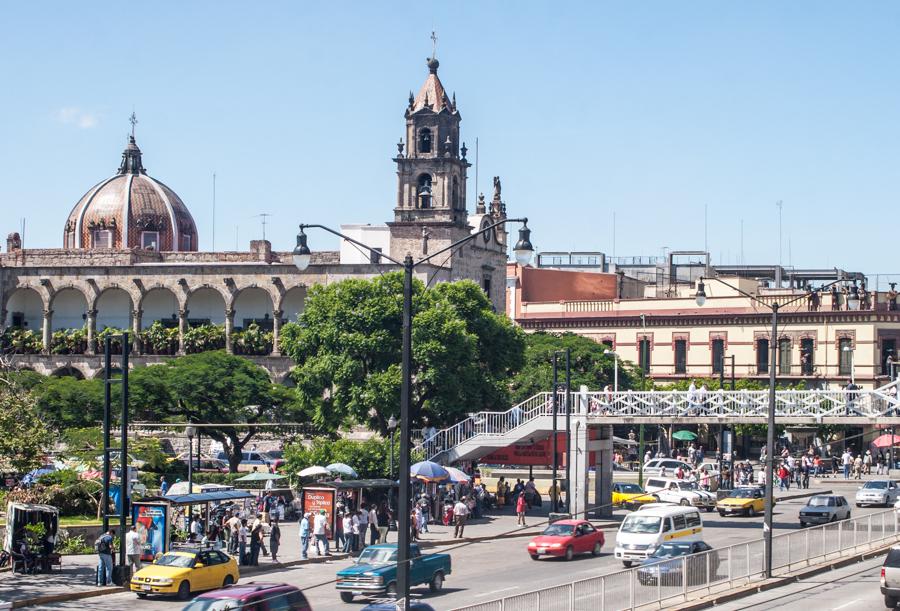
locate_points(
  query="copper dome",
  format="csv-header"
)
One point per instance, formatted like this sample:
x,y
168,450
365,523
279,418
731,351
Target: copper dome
x,y
131,210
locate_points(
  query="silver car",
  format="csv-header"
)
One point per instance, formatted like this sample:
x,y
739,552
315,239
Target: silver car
x,y
878,492
824,508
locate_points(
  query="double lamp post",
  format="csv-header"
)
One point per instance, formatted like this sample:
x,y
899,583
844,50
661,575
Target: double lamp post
x,y
522,251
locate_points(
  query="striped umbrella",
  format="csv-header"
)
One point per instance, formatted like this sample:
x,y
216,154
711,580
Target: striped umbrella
x,y
429,471
457,476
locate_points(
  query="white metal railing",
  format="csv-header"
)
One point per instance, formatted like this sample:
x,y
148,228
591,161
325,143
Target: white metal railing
x,y
790,406
688,577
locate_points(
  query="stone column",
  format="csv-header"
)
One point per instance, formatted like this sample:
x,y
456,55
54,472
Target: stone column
x,y
229,328
3,314
136,331
182,329
91,332
603,446
276,332
577,457
47,330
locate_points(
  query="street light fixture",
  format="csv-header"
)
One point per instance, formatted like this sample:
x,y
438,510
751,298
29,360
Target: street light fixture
x,y
302,256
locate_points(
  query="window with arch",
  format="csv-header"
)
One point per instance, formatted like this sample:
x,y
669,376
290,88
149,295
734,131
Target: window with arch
x,y
423,191
425,140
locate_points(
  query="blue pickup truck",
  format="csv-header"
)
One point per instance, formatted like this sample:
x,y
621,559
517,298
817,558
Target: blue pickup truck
x,y
375,572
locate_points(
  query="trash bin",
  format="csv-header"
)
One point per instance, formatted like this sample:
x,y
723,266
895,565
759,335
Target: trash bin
x,y
121,575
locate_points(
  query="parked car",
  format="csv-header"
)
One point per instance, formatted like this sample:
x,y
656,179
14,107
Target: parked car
x,y
824,508
890,578
251,595
654,524
749,501
375,572
667,564
391,605
204,464
566,538
878,492
185,572
630,496
655,466
252,461
672,490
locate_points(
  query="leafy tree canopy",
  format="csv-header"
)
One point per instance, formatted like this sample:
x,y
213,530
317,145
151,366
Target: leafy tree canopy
x,y
347,346
369,458
25,436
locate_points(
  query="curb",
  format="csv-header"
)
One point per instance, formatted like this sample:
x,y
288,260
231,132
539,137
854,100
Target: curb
x,y
800,496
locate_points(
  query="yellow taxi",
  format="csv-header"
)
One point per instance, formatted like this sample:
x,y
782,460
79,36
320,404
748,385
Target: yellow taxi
x,y
630,496
744,501
185,572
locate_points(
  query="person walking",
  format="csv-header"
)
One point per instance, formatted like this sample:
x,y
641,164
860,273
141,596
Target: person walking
x,y
163,486
857,467
846,462
133,549
243,536
867,463
255,542
354,532
521,508
347,524
340,539
304,536
274,539
363,516
383,517
320,531
460,513
104,548
373,525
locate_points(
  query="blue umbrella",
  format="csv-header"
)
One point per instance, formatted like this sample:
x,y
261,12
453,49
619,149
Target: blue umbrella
x,y
33,476
429,471
342,469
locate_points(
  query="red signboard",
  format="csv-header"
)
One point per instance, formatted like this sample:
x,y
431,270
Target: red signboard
x,y
539,453
317,499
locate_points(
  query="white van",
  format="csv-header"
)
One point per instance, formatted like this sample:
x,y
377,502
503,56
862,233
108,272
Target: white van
x,y
643,531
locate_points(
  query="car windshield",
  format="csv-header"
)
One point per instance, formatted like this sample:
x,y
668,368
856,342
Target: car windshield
x,y
670,550
559,530
214,604
378,555
820,501
630,488
742,494
184,562
876,485
641,524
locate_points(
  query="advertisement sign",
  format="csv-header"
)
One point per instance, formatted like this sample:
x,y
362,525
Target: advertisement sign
x,y
152,528
539,453
317,499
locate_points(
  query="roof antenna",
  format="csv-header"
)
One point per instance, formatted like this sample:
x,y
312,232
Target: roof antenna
x,y
263,216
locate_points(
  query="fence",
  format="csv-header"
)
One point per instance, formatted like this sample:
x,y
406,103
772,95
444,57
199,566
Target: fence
x,y
687,577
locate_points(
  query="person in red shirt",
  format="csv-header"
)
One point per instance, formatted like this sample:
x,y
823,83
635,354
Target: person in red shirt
x,y
521,507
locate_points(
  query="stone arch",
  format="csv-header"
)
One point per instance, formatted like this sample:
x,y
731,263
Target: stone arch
x,y
114,306
206,304
252,303
160,303
25,308
69,305
67,370
293,302
115,371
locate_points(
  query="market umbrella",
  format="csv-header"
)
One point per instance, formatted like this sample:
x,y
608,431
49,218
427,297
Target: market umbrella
x,y
182,488
684,436
259,477
342,469
457,476
884,441
428,471
314,471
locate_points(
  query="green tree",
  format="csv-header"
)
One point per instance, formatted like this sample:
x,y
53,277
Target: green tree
x,y
67,402
25,436
347,346
369,458
588,365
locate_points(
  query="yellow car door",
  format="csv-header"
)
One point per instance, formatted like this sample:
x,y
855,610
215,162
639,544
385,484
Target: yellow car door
x,y
203,577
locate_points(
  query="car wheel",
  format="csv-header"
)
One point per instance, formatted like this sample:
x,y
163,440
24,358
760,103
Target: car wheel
x,y
570,553
848,516
437,582
627,563
685,502
890,602
141,595
596,550
184,590
227,581
802,524
535,557
751,513
655,498
391,590
859,504
833,518
347,597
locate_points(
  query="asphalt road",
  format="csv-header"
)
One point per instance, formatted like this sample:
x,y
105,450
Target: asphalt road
x,y
484,571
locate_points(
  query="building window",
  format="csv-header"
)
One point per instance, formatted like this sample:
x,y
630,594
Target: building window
x,y
762,356
718,356
644,355
888,349
186,241
845,356
101,238
150,240
425,140
807,356
18,319
423,191
486,284
375,256
784,356
680,356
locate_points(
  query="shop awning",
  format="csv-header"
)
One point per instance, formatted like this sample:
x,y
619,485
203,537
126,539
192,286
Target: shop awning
x,y
203,497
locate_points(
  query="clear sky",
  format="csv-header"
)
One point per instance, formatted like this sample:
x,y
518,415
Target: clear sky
x,y
647,110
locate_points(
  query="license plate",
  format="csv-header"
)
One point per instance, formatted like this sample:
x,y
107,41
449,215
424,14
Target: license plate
x,y
542,551
148,588
356,592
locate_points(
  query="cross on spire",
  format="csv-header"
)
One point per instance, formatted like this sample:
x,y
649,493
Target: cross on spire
x,y
133,120
433,44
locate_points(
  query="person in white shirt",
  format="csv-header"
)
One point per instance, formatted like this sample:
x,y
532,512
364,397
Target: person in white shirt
x,y
460,513
354,531
320,532
347,523
363,526
133,549
373,525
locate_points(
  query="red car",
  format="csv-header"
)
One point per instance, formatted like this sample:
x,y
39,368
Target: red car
x,y
567,538
258,596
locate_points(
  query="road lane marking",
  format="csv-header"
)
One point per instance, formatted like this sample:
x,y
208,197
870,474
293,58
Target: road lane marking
x,y
496,591
852,602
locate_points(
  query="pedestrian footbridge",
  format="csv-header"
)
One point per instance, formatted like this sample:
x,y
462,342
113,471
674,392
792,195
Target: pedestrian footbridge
x,y
483,432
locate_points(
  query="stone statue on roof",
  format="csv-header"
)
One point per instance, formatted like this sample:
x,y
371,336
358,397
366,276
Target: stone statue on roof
x,y
496,187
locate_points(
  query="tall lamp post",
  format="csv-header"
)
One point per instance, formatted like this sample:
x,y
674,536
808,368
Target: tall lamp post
x,y
522,252
700,297
392,427
191,432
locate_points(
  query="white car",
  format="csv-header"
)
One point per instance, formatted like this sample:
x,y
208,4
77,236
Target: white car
x,y
681,492
878,492
655,466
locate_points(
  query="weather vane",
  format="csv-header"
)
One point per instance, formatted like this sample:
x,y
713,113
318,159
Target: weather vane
x,y
433,44
133,120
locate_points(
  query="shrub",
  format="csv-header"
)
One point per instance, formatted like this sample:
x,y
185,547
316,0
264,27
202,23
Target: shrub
x,y
66,544
69,341
21,341
159,339
115,343
252,341
203,338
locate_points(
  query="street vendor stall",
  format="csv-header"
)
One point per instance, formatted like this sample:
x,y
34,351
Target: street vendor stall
x,y
328,495
37,526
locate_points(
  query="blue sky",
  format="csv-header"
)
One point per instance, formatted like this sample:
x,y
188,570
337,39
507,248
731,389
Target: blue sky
x,y
649,110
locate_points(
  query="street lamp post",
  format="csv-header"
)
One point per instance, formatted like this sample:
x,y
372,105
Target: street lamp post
x,y
190,431
770,420
302,256
392,427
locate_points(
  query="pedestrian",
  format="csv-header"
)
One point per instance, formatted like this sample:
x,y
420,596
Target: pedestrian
x,y
460,513
383,517
243,535
857,467
304,536
133,549
846,462
354,531
373,525
363,516
104,548
268,503
867,463
521,507
320,531
347,527
255,542
275,539
163,486
234,526
340,539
